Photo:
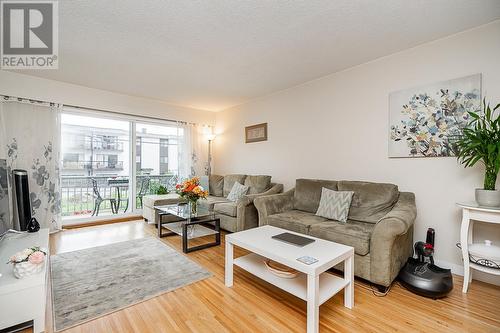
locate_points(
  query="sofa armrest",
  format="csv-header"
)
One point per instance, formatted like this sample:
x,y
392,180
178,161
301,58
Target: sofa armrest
x,y
273,204
391,240
246,213
400,218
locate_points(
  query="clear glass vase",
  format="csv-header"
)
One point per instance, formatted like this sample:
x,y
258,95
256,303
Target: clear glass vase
x,y
193,206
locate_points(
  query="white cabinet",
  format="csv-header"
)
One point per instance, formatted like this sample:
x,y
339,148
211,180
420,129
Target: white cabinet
x,y
22,300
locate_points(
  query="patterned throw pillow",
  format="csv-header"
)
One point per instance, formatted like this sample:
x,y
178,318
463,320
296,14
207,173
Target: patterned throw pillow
x,y
334,205
237,192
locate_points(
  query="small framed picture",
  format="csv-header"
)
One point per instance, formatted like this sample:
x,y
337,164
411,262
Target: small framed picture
x,y
256,133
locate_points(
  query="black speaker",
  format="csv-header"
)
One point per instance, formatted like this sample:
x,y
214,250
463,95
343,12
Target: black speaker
x,y
22,198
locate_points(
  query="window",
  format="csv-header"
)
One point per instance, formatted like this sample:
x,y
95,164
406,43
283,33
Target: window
x,y
71,161
97,156
155,144
95,153
71,157
138,165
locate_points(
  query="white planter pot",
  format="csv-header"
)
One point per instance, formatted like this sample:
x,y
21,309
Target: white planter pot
x,y
26,268
488,198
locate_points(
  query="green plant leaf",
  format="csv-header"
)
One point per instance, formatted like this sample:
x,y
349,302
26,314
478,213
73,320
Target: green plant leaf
x,y
480,141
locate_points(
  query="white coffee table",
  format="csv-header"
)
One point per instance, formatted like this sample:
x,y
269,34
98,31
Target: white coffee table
x,y
312,285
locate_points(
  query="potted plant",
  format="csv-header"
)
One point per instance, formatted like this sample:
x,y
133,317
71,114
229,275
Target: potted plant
x,y
480,141
159,188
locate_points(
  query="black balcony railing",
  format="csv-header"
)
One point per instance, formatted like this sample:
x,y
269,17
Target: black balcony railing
x,y
77,196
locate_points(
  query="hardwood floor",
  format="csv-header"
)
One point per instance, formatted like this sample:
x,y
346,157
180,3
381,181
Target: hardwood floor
x,y
256,306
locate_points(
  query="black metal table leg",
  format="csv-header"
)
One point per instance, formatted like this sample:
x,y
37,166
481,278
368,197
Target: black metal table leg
x,y
185,225
160,224
185,240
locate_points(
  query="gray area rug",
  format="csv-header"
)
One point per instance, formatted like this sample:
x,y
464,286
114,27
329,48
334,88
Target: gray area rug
x,y
90,283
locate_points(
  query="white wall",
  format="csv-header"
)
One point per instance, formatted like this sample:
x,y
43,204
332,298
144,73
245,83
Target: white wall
x,y
20,85
336,127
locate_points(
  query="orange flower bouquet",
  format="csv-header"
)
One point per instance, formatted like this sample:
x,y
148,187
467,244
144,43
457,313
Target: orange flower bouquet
x,y
192,191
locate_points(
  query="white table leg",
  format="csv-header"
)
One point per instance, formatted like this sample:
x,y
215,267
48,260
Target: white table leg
x,y
229,264
39,324
349,288
469,241
312,304
464,240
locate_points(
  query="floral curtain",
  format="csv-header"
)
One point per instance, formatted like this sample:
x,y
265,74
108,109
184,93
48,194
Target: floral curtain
x,y
29,140
6,221
193,154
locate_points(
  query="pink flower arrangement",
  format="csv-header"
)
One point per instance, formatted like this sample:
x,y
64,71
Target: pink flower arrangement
x,y
34,255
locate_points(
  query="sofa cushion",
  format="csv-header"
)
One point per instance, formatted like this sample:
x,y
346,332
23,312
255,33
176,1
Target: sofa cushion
x,y
205,183
216,185
237,192
308,193
335,205
295,220
211,200
152,200
257,184
229,181
353,233
226,208
371,201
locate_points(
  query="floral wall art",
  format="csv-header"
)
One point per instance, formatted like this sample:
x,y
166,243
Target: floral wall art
x,y
424,121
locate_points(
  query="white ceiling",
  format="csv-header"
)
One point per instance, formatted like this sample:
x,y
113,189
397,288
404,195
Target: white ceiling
x,y
213,54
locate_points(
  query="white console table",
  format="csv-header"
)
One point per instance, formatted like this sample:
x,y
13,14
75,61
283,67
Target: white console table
x,y
23,300
472,212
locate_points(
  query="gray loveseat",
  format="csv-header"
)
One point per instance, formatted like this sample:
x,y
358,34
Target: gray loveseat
x,y
240,215
379,227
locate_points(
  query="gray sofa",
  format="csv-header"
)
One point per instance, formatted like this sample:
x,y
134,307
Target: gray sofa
x,y
240,215
379,227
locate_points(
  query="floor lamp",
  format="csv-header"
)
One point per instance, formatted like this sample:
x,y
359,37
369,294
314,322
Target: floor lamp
x,y
210,137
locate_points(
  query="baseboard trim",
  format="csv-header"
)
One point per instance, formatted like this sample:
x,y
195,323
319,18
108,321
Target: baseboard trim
x,y
102,222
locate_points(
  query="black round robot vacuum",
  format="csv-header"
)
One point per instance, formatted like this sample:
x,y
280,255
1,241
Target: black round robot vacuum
x,y
426,279
423,277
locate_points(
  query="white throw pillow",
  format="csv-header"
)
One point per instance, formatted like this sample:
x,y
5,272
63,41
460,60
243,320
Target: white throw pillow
x,y
237,192
335,205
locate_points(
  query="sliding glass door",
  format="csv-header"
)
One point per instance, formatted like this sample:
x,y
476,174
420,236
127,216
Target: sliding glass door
x,y
156,159
95,168
110,162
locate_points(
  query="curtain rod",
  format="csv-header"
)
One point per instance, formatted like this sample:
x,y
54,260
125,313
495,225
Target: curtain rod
x,y
128,114
102,110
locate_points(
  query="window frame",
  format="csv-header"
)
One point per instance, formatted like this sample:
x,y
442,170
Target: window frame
x,y
132,174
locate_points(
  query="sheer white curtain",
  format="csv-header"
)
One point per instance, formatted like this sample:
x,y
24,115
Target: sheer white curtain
x,y
30,140
193,158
